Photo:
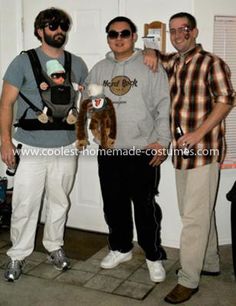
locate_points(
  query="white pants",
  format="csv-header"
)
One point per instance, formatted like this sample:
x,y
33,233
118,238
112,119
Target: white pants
x,y
51,176
196,190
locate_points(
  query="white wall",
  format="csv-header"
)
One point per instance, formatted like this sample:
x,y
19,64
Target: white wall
x,y
10,28
205,11
10,39
145,12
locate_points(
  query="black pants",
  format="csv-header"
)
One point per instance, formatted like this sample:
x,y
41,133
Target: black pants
x,y
231,196
125,180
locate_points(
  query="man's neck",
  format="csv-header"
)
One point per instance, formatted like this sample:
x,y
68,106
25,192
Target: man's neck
x,y
120,57
51,51
191,48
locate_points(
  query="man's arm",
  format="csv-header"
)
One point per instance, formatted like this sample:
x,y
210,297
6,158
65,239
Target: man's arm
x,y
152,58
223,93
8,99
219,112
161,99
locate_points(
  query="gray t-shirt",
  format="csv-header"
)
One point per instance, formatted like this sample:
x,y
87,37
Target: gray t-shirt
x,y
20,75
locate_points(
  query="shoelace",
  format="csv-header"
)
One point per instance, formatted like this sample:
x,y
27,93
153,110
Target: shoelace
x,y
60,255
112,254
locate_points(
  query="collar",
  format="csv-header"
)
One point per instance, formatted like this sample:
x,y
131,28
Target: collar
x,y
187,56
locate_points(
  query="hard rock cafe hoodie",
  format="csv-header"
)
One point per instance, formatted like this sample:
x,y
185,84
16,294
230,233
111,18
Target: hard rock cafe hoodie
x,y
140,97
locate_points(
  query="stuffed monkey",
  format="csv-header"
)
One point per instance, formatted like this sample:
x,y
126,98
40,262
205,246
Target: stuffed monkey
x,y
103,119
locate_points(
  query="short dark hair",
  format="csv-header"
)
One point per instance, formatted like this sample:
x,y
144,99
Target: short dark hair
x,y
51,14
191,19
122,19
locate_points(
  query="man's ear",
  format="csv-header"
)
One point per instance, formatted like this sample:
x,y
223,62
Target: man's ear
x,y
195,32
135,37
40,32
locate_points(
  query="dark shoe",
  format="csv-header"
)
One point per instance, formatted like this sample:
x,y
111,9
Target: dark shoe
x,y
205,273
180,294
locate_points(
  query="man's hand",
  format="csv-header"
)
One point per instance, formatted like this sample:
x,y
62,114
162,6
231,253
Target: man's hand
x,y
150,59
7,153
159,152
189,139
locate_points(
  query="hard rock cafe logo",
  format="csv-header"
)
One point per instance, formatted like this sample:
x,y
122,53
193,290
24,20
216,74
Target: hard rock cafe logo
x,y
120,85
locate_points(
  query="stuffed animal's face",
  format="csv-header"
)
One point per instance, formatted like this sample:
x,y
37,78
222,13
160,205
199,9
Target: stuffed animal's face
x,y
97,103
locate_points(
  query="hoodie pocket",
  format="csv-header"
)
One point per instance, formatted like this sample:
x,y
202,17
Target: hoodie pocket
x,y
127,131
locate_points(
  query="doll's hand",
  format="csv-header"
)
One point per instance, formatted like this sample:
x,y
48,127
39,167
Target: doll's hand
x,y
78,87
43,86
82,144
110,143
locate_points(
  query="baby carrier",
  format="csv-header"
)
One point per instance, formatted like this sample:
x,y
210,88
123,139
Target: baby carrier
x,y
59,100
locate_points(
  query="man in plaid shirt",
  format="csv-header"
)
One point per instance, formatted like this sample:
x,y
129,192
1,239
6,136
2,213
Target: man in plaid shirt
x,y
201,95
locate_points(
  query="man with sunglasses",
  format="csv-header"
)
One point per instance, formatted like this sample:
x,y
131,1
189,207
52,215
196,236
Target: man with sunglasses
x,y
39,172
130,174
202,95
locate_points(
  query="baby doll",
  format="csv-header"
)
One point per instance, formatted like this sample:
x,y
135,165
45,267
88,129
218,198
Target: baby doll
x,y
56,72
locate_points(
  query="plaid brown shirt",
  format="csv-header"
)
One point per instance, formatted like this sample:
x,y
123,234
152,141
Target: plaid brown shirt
x,y
197,80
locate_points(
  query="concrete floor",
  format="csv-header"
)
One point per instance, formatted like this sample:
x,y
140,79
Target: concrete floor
x,y
86,284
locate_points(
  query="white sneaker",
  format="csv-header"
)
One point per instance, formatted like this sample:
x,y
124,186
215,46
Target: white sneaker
x,y
114,258
156,270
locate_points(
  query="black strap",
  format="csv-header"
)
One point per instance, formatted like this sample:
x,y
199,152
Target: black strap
x,y
36,67
35,124
34,108
67,64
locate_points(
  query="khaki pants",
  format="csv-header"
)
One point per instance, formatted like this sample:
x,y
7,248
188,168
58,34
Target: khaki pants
x,y
196,191
38,175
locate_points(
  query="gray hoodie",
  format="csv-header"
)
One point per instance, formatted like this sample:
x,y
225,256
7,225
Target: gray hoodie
x,y
140,97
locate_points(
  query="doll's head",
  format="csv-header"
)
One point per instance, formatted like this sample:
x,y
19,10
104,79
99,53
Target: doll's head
x,y
55,71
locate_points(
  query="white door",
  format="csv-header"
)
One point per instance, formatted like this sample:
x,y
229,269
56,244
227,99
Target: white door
x,y
87,39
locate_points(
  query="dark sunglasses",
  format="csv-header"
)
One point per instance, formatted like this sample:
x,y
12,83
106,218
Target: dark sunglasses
x,y
58,75
53,25
122,34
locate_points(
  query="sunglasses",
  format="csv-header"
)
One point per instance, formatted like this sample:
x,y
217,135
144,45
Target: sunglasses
x,y
122,34
58,75
53,25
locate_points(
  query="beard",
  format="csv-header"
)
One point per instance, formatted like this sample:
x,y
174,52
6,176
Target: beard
x,y
56,41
